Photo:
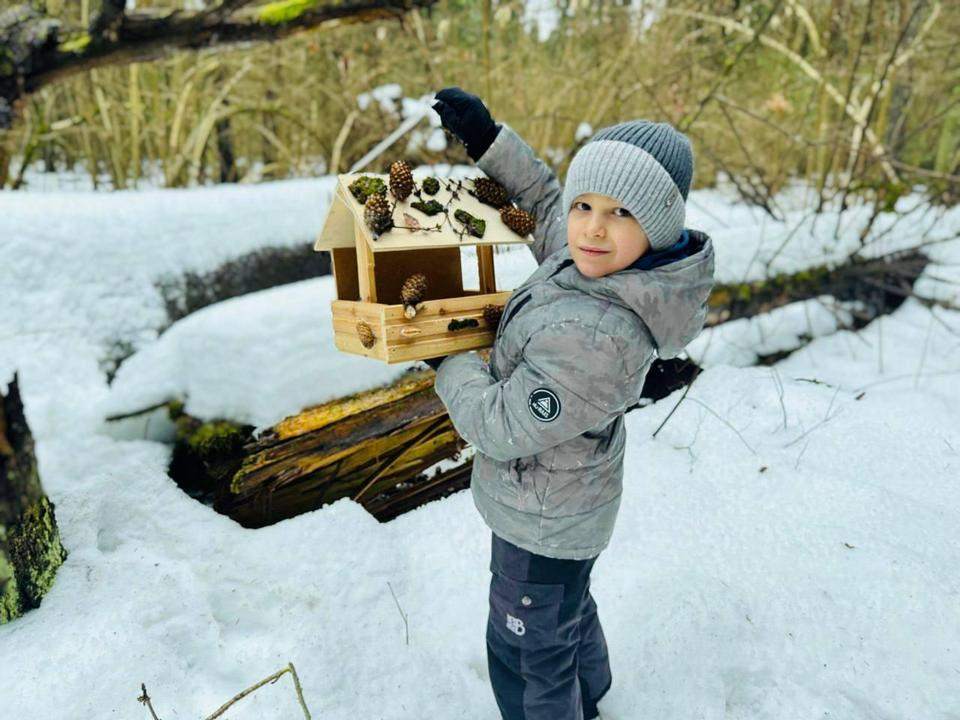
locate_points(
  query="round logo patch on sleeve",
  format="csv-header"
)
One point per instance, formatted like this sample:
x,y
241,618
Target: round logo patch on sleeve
x,y
544,404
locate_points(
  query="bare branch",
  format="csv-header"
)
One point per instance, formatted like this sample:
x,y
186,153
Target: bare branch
x,y
34,52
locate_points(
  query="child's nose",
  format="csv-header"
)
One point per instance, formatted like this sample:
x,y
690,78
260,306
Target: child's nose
x,y
596,227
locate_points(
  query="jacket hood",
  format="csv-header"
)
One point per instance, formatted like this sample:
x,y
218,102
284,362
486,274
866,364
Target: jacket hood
x,y
667,289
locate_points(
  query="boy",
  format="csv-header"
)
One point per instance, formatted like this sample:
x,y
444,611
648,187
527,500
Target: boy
x,y
620,281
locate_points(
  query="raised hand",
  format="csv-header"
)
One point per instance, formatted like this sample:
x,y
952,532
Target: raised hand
x,y
467,118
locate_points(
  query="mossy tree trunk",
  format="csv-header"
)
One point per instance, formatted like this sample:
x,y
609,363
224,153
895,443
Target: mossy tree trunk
x,y
36,50
30,549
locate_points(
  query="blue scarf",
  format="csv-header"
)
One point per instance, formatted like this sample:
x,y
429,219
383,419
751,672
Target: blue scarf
x,y
649,260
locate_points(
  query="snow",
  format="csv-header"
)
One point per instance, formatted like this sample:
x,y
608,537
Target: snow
x,y
584,131
786,546
385,95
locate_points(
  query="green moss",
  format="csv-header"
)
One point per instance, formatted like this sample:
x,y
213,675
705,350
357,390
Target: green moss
x,y
431,186
365,186
175,409
36,552
75,45
219,437
461,324
431,207
284,11
475,226
10,606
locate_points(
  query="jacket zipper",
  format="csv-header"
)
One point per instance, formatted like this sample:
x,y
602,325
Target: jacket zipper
x,y
503,324
517,304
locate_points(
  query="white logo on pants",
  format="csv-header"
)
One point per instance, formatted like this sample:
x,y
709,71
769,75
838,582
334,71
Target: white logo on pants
x,y
515,625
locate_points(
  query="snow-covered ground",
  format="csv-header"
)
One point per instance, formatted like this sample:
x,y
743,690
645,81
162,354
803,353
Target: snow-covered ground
x,y
787,546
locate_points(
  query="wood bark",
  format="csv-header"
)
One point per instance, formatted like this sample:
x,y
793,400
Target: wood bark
x,y
30,549
35,48
375,446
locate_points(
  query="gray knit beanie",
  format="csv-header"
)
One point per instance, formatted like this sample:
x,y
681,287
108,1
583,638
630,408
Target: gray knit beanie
x,y
647,166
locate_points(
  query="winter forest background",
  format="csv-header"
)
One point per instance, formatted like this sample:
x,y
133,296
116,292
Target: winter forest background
x,y
787,545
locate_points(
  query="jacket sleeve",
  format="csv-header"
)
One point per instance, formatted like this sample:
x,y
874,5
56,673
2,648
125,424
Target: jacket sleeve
x,y
532,184
551,396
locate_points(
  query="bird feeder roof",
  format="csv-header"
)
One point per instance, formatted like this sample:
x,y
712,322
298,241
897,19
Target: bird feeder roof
x,y
346,214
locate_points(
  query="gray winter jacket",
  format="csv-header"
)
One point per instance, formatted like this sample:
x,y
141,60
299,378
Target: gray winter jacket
x,y
570,356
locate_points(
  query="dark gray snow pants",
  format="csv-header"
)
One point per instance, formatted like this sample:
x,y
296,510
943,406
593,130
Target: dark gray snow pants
x,y
546,652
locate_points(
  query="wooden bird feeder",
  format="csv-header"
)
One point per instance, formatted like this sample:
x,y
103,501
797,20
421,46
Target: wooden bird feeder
x,y
370,269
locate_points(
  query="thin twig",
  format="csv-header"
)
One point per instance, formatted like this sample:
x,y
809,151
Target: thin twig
x,y
406,628
682,396
807,432
273,678
144,699
779,383
725,422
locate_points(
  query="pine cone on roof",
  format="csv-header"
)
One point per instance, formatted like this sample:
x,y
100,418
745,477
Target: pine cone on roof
x,y
490,192
412,292
378,214
401,180
520,221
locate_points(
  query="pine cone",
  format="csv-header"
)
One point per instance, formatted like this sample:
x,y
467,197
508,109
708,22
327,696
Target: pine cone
x,y
378,214
401,180
412,292
491,314
430,185
520,221
490,192
366,334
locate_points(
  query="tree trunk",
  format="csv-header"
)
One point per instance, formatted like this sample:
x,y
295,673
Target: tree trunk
x,y
34,51
30,549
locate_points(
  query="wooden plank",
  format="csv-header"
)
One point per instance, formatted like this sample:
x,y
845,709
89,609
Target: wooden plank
x,y
413,332
488,281
372,313
441,266
366,271
337,229
343,262
349,341
434,348
448,306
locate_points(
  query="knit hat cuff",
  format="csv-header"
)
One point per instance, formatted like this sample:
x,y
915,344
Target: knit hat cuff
x,y
634,177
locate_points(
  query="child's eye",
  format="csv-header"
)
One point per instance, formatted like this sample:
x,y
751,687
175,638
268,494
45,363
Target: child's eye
x,y
626,213
580,206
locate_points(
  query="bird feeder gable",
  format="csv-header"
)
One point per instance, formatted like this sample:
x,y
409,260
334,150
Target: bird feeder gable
x,y
400,294
345,219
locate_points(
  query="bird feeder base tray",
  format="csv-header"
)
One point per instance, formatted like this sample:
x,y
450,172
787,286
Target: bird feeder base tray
x,y
429,333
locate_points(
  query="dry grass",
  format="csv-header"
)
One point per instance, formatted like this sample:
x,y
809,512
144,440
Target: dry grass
x,y
818,91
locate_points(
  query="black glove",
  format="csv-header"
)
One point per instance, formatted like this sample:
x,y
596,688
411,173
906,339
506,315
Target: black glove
x,y
434,362
467,117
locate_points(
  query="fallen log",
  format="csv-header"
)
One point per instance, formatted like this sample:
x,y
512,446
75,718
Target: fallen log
x,y
376,446
30,548
36,50
357,447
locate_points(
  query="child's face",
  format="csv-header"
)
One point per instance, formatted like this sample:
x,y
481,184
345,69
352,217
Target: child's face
x,y
602,223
